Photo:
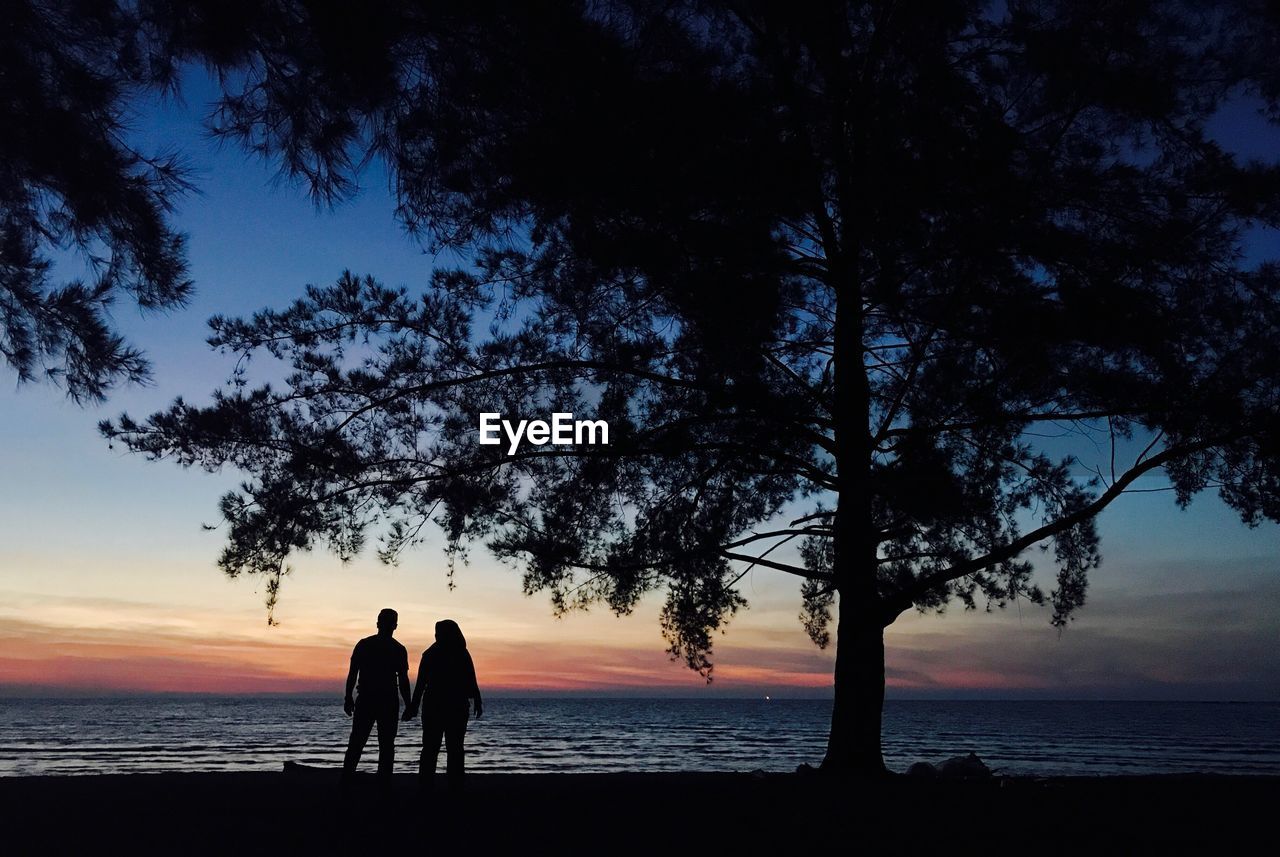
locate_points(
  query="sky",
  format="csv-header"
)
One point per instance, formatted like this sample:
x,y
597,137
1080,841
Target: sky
x,y
108,582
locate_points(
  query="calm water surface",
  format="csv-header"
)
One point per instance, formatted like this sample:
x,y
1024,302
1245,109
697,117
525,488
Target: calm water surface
x,y
602,735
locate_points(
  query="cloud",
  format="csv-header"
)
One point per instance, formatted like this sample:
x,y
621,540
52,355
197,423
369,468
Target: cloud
x,y
1212,644
108,645
1184,643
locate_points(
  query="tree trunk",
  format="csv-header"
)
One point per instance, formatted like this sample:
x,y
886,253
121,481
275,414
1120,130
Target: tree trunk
x,y
854,744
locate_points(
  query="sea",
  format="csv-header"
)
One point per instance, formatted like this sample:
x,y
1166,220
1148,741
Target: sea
x,y
546,735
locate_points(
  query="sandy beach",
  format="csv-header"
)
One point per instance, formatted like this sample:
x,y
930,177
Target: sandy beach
x,y
306,812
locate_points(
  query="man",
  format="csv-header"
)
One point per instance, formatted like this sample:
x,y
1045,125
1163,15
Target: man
x,y
380,665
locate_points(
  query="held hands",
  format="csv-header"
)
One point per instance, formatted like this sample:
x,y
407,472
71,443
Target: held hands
x,y
410,712
349,706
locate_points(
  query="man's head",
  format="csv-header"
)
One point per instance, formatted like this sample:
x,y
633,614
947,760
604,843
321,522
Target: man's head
x,y
387,620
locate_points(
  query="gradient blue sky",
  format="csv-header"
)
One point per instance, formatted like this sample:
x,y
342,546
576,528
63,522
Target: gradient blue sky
x,y
107,581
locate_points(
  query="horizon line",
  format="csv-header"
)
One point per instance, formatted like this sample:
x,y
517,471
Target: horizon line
x,y
78,694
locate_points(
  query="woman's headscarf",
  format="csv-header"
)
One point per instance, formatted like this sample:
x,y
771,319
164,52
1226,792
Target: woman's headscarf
x,y
449,634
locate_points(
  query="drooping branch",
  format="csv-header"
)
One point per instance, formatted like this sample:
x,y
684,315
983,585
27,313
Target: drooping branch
x,y
922,585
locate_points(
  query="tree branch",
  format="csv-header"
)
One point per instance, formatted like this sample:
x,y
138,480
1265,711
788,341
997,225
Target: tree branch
x,y
1047,416
907,597
780,566
528,368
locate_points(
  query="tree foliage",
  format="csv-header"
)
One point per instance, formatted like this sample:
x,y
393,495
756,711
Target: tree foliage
x,y
829,272
72,185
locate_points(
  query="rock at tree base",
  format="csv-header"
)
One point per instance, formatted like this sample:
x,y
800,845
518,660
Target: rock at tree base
x,y
964,767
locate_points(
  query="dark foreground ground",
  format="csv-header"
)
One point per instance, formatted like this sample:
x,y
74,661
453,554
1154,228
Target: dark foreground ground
x,y
785,814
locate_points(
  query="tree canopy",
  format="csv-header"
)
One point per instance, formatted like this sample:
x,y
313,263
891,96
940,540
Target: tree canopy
x,y
71,185
826,270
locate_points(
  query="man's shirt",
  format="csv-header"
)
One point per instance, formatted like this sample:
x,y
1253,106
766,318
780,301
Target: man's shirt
x,y
379,661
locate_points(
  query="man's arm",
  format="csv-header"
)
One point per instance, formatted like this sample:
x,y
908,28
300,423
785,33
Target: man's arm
x,y
403,673
348,701
418,689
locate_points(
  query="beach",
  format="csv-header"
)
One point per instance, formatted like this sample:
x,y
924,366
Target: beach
x,y
305,811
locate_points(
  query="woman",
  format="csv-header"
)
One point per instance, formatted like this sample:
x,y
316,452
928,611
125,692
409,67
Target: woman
x,y
446,682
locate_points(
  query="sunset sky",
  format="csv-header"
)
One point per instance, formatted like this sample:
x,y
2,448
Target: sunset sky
x,y
108,582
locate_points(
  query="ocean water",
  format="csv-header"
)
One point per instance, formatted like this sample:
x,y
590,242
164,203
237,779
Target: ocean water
x,y
602,735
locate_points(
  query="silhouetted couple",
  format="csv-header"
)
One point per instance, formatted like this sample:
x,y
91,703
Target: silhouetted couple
x,y
446,686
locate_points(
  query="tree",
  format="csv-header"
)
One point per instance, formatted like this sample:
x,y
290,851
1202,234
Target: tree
x,y
70,183
827,273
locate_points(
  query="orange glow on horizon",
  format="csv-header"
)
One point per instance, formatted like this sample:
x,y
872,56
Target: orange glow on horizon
x,y
34,656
